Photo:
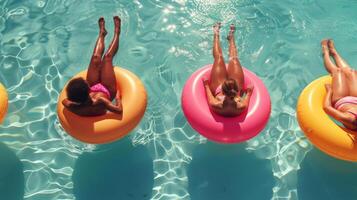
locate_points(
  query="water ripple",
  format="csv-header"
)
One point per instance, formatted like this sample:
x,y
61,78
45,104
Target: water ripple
x,y
44,42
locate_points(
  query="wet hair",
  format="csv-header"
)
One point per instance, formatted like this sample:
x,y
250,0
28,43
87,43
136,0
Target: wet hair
x,y
230,88
78,90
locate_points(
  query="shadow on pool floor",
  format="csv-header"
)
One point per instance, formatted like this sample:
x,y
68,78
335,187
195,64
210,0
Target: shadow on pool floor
x,y
11,175
324,177
119,171
228,172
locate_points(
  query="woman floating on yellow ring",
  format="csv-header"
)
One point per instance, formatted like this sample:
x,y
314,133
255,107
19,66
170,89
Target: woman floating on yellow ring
x,y
3,102
334,96
341,99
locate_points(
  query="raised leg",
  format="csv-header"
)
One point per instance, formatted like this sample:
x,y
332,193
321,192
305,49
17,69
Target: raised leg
x,y
329,65
339,85
352,82
218,72
338,59
235,70
93,73
349,73
107,72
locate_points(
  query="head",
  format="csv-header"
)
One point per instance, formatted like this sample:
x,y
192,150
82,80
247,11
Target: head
x,y
78,90
230,88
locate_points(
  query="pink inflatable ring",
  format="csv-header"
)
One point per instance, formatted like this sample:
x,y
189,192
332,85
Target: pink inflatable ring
x,y
225,129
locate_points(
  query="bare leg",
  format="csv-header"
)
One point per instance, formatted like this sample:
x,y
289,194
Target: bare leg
x,y
218,72
93,73
352,83
235,70
107,72
348,77
329,65
338,59
339,85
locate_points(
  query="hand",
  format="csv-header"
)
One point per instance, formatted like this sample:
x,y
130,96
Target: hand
x,y
95,101
118,100
118,95
205,81
328,87
250,88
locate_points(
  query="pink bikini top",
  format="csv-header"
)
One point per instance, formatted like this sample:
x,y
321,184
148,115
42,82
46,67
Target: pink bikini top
x,y
346,100
100,88
219,90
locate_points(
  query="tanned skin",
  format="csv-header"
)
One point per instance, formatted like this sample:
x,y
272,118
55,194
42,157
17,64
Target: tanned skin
x,y
101,70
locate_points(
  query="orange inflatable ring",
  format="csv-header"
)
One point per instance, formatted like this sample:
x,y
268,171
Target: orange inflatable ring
x,y
319,128
3,102
109,127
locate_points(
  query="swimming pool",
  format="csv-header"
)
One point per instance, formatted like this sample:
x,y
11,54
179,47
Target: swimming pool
x,y
43,43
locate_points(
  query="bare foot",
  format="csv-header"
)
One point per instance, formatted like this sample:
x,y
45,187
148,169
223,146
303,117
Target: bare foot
x,y
232,29
331,47
217,27
101,24
117,23
324,46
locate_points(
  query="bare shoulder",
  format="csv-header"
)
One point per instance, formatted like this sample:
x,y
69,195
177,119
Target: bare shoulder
x,y
68,104
217,105
241,105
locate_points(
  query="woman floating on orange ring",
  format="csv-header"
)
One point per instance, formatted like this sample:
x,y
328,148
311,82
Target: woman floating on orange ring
x,y
84,103
94,95
341,99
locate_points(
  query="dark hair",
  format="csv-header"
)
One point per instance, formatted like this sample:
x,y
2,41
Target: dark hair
x,y
78,90
230,88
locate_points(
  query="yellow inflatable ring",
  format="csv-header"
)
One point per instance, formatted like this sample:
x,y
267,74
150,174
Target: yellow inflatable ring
x,y
3,102
109,127
319,128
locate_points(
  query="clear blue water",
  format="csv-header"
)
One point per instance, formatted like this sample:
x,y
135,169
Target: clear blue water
x,y
43,43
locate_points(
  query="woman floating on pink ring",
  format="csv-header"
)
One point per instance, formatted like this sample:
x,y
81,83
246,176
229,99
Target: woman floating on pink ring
x,y
226,109
225,89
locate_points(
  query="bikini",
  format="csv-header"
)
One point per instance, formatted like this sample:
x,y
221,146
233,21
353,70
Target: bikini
x,y
346,100
100,88
219,90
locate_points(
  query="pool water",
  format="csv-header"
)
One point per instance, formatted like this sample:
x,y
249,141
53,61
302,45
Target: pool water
x,y
44,43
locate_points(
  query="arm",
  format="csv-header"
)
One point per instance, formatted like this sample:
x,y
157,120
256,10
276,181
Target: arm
x,y
118,100
246,100
212,101
111,107
330,110
67,103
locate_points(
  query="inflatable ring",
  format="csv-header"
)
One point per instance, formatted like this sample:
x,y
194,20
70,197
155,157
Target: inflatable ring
x,y
109,127
225,129
319,128
3,102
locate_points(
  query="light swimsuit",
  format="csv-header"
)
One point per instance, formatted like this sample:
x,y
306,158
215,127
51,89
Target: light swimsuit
x,y
100,88
219,90
346,100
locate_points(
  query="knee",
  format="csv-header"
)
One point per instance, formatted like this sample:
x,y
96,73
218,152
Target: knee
x,y
108,57
347,71
219,58
336,71
234,60
96,60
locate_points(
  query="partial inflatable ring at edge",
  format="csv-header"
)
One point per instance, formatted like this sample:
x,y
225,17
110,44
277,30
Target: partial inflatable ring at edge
x,y
3,102
324,133
109,127
225,129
